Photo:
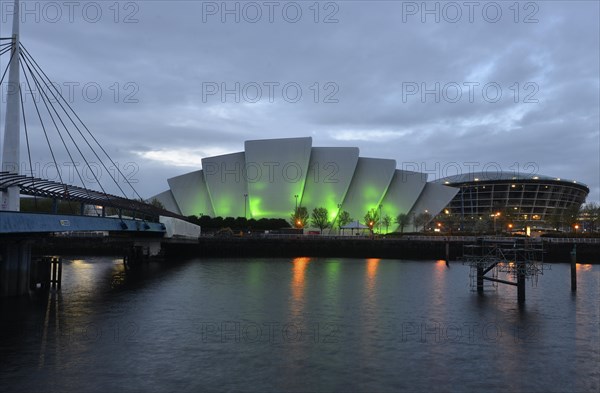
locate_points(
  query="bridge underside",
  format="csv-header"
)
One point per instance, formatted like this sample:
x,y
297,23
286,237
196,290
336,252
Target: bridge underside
x,y
28,223
18,231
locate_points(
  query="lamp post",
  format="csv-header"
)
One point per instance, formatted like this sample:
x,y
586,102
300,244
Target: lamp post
x,y
339,206
380,217
245,206
296,216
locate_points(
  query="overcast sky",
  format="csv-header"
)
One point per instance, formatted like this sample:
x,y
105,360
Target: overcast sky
x,y
518,85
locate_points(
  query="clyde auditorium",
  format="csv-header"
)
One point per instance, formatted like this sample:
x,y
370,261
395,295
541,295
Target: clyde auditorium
x,y
273,176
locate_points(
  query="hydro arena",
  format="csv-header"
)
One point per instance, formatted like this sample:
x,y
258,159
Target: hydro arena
x,y
515,200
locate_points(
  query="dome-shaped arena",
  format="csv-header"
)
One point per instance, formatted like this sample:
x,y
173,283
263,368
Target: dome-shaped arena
x,y
272,177
535,200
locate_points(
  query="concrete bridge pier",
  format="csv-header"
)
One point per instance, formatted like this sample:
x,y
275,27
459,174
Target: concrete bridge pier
x,y
15,266
151,248
141,251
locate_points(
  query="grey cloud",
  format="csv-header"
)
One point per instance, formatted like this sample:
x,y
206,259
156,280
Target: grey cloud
x,y
368,54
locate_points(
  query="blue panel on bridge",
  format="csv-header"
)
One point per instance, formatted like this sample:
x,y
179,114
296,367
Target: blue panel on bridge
x,y
16,222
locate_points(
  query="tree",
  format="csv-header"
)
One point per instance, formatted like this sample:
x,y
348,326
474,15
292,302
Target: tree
x,y
591,216
571,215
299,217
320,218
386,221
448,221
421,220
156,203
554,220
482,225
371,218
343,218
46,205
402,220
507,216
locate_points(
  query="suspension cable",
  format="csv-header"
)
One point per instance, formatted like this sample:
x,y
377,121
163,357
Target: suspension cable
x,y
46,136
44,99
72,139
31,59
7,66
5,49
47,89
47,101
78,129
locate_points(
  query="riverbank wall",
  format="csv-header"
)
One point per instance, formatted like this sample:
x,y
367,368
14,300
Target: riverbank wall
x,y
303,246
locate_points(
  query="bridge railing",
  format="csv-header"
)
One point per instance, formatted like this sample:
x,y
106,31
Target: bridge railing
x,y
414,238
59,191
589,240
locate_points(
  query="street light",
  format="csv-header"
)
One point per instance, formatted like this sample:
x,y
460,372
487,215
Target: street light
x,y
339,206
380,206
576,226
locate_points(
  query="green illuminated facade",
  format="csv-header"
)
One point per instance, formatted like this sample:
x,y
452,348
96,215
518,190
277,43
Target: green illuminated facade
x,y
272,177
329,176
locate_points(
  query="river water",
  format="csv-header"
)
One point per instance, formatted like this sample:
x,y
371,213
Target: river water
x,y
303,324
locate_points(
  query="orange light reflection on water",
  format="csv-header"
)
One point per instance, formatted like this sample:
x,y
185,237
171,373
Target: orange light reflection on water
x,y
298,277
369,308
583,266
372,266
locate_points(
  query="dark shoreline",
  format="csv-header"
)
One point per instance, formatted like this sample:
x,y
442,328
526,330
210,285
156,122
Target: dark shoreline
x,y
249,247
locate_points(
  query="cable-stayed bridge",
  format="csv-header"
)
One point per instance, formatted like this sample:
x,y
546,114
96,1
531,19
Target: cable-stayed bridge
x,y
65,137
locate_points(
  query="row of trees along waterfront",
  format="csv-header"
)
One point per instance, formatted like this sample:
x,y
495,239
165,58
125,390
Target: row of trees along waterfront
x,y
319,218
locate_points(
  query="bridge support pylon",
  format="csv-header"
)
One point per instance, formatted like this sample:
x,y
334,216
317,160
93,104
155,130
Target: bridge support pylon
x,y
10,197
15,265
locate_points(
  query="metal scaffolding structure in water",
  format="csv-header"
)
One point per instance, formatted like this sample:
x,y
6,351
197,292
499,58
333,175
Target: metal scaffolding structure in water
x,y
519,258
